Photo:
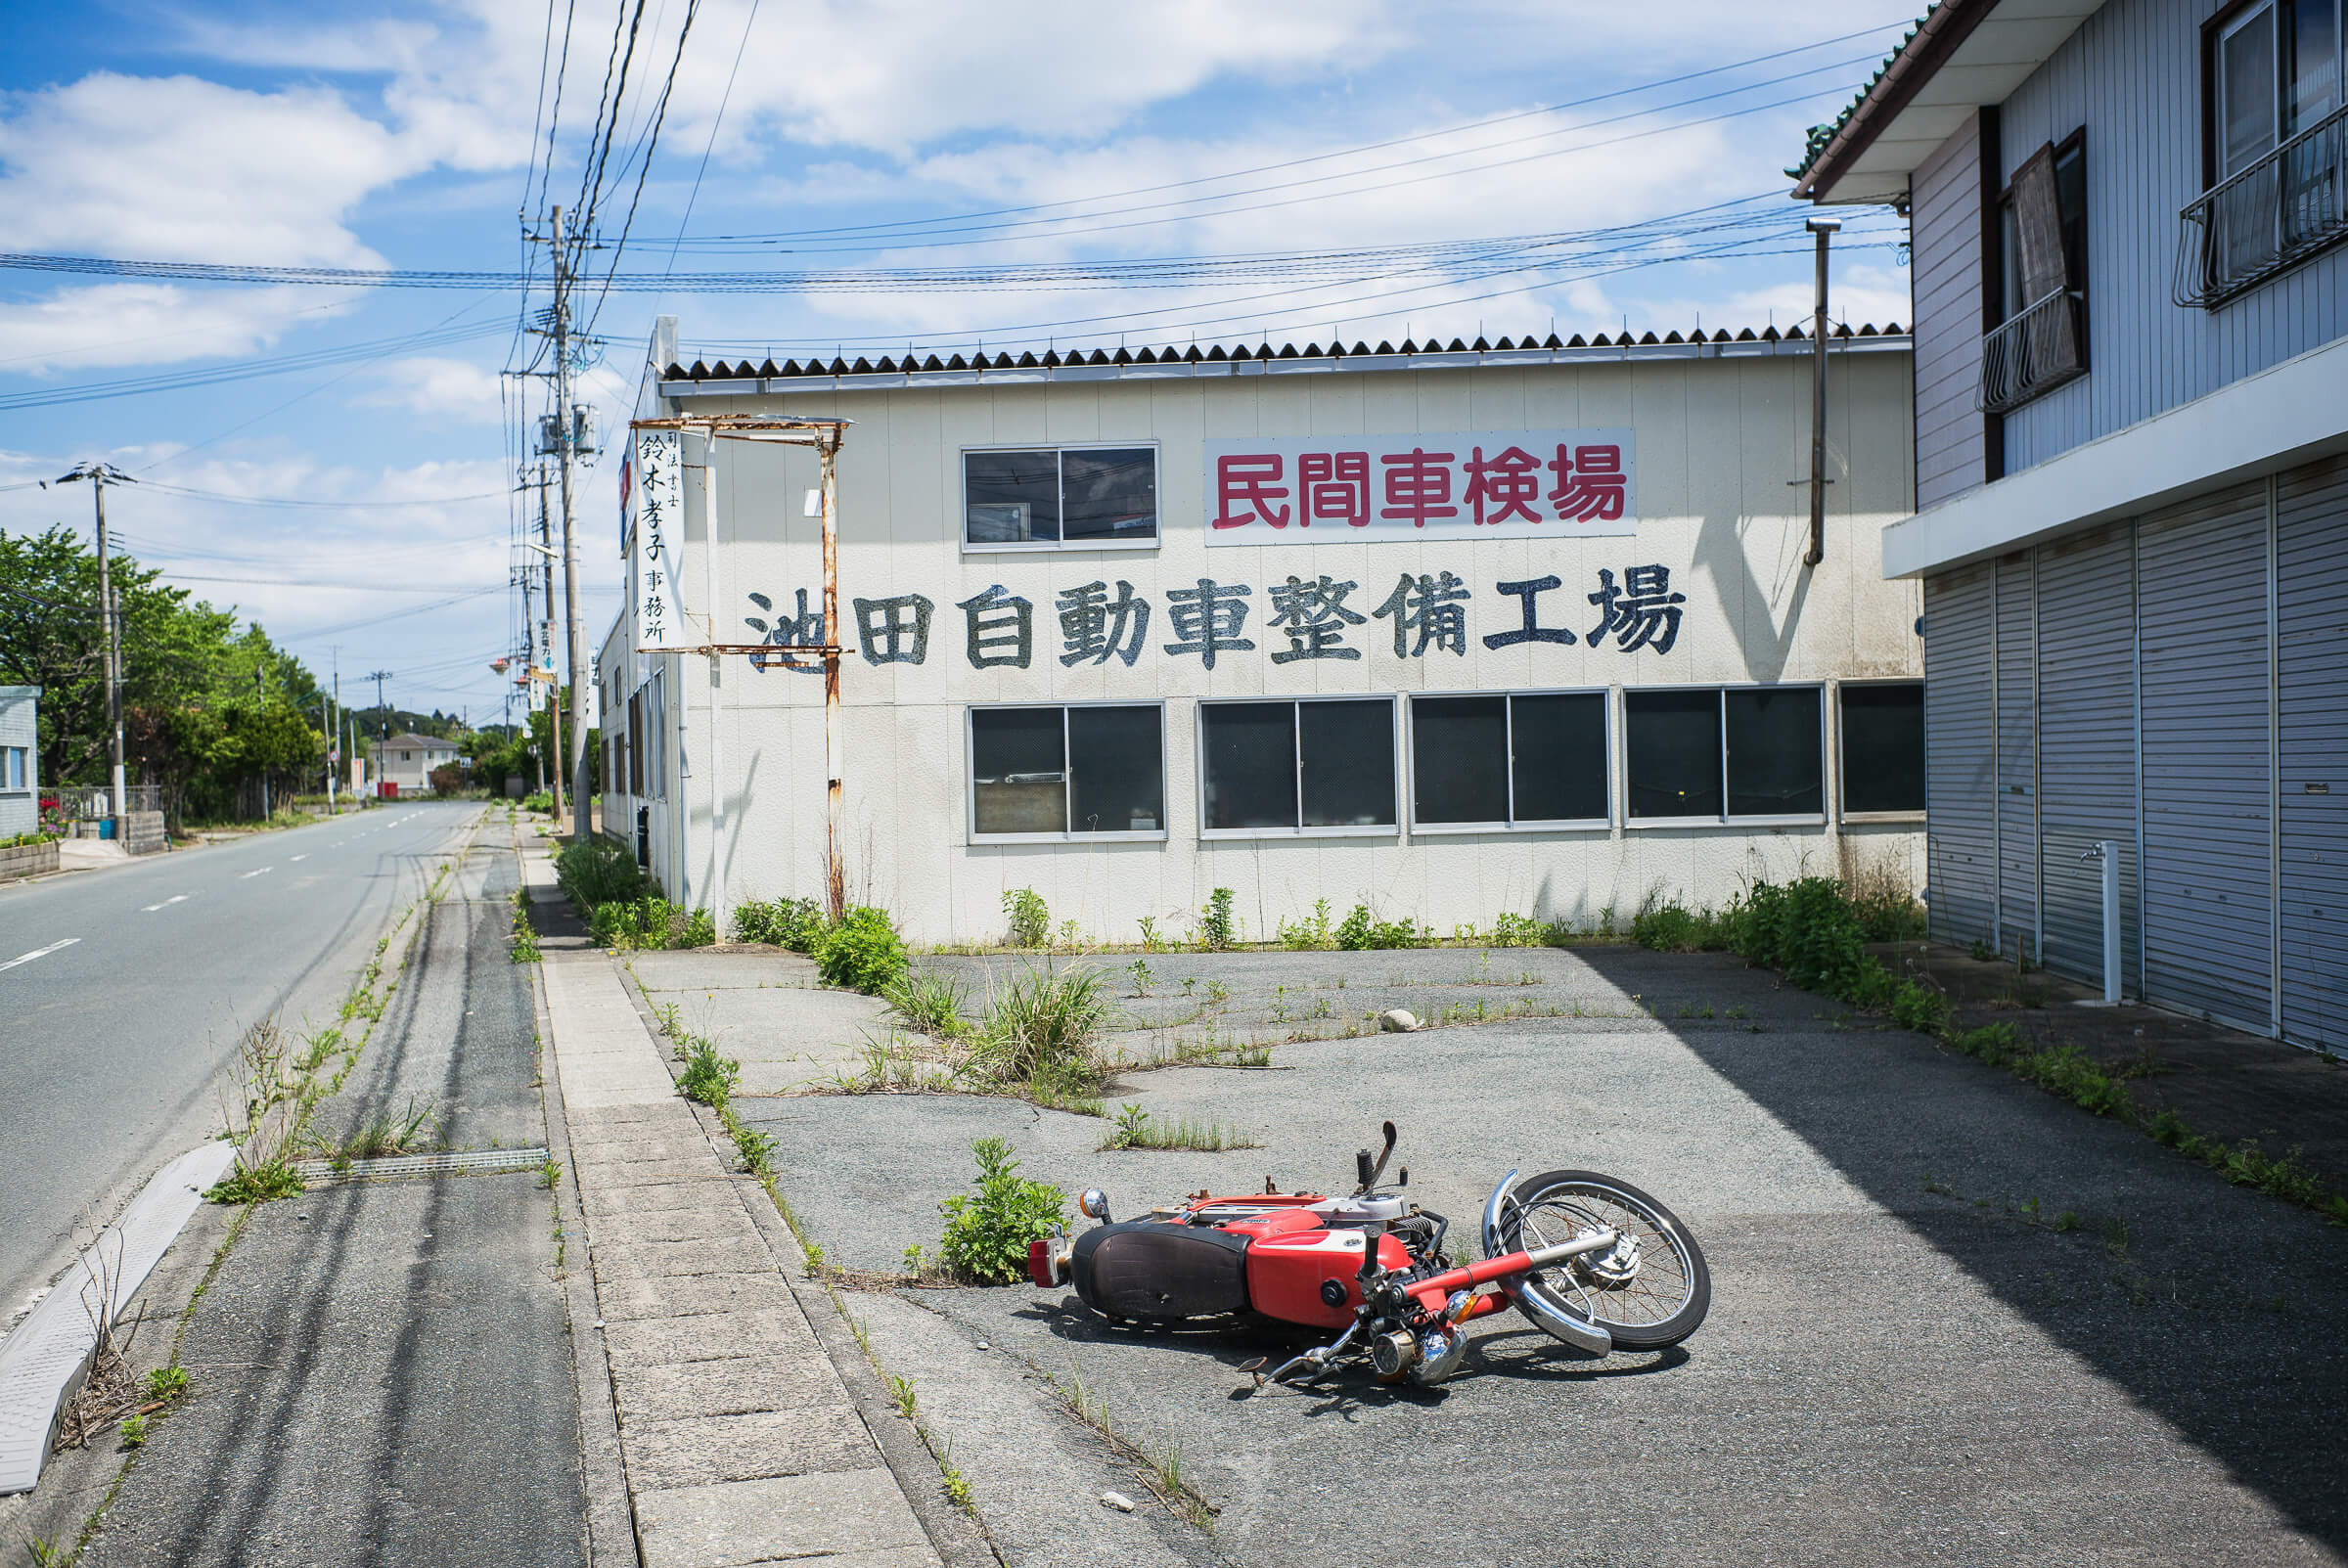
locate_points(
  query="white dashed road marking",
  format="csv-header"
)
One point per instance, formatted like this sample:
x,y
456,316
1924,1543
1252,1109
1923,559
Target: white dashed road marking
x,y
301,856
40,953
263,871
165,903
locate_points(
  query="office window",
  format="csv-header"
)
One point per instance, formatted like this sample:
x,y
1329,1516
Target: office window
x,y
1882,748
1296,766
1081,771
1076,497
1508,761
1726,754
15,771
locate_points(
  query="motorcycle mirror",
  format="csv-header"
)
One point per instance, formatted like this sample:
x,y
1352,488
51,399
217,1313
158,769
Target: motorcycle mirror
x,y
1093,1204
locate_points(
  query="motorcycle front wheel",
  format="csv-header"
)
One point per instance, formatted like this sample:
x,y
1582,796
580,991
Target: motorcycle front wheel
x,y
1650,1290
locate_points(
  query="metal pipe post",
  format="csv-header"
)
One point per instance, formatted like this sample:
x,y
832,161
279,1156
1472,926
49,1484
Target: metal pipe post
x,y
717,754
1824,229
2108,851
836,880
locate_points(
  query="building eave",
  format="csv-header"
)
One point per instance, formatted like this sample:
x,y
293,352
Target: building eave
x,y
2284,416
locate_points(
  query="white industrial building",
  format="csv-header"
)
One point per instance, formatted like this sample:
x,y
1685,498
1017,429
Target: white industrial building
x,y
1451,630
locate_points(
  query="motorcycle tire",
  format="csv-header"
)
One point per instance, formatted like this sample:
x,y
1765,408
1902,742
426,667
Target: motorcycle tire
x,y
1664,1300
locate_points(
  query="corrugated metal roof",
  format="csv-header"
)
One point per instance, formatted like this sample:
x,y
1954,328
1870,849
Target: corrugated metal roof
x,y
1431,353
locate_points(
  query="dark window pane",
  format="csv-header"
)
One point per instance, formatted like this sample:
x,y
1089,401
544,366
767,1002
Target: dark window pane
x,y
1348,750
1118,783
1108,493
1882,748
1458,759
1018,779
1010,497
1251,763
1561,759
1671,741
1774,767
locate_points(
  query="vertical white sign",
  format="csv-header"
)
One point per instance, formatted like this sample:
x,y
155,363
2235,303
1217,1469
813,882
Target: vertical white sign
x,y
657,611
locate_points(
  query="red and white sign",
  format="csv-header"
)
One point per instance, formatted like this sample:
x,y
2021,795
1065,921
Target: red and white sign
x,y
1466,485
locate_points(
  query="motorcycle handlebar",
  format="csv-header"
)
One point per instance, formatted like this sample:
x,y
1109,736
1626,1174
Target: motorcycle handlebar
x,y
1370,1171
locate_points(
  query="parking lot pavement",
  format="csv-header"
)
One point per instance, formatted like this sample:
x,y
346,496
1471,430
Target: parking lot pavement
x,y
732,999
1954,1318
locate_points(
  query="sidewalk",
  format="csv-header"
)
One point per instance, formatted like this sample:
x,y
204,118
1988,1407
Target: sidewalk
x,y
739,1440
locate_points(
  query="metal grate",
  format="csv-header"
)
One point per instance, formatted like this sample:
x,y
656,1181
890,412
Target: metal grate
x,y
470,1162
2271,216
2035,351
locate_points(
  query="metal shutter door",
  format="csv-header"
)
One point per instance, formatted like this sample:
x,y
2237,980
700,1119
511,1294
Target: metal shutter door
x,y
2311,537
2208,868
1960,851
2087,746
2018,756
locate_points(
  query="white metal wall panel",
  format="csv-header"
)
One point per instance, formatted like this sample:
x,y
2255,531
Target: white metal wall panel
x,y
2017,756
2087,746
2311,527
1959,647
2208,856
1945,281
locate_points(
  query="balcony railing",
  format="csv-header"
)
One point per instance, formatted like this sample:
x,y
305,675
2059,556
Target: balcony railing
x,y
2271,216
2035,351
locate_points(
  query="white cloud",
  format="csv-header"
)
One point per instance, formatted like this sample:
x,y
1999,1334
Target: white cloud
x,y
86,327
451,389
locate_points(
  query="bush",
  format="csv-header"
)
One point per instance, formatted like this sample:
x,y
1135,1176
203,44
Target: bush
x,y
596,872
1919,1008
795,923
1360,931
708,1078
540,800
1044,1027
1311,933
1517,930
652,924
1029,916
862,953
988,1233
1674,928
1872,986
1218,932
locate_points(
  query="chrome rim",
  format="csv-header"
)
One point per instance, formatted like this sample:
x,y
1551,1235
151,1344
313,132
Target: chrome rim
x,y
1652,1290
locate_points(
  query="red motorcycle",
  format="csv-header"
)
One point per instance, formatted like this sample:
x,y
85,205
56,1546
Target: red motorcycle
x,y
1595,1261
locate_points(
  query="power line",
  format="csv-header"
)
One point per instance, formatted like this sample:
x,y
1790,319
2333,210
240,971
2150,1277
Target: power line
x,y
651,145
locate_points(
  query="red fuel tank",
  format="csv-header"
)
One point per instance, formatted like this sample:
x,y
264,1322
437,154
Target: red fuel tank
x,y
1285,1271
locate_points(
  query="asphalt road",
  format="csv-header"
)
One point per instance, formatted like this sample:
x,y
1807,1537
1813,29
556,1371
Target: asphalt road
x,y
1954,1318
123,993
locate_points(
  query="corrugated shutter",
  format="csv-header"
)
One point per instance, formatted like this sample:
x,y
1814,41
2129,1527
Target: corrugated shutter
x,y
2017,756
1958,644
2087,746
2311,527
2208,869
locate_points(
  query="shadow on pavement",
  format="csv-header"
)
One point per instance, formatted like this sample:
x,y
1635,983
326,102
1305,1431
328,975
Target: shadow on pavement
x,y
2216,1308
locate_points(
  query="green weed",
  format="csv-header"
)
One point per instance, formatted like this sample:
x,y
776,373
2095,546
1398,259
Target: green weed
x,y
988,1231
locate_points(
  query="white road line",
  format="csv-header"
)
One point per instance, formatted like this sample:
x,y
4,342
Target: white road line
x,y
40,953
301,856
165,903
263,871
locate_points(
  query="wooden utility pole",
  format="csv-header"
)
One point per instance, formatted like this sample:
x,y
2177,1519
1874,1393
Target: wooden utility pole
x,y
554,707
574,634
100,476
1825,230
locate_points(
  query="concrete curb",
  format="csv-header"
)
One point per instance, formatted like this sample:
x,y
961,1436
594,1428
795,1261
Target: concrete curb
x,y
43,1362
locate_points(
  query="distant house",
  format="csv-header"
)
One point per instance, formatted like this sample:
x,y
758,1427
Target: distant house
x,y
406,761
2130,253
20,760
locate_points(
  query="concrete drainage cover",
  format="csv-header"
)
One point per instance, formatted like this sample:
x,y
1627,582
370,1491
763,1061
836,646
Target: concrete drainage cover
x,y
474,1162
43,1362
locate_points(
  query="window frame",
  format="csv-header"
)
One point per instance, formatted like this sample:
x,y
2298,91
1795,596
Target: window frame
x,y
16,770
1514,824
961,491
1392,829
1869,818
1822,818
1123,836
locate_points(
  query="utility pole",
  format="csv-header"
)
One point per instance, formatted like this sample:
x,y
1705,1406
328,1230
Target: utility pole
x,y
100,476
576,637
545,562
382,723
529,661
1824,229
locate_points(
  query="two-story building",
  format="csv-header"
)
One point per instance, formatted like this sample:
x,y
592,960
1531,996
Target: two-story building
x,y
403,764
20,760
2131,512
1452,630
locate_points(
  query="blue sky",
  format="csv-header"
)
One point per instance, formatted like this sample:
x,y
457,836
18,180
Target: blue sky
x,y
881,133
